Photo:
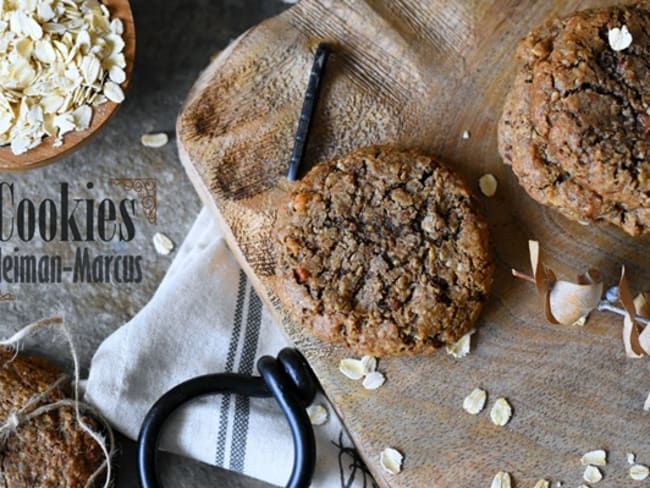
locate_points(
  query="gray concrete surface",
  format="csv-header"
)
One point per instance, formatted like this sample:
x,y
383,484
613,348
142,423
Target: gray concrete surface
x,y
175,41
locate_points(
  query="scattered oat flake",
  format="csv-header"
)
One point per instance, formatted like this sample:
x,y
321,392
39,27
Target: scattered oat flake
x,y
592,474
154,140
501,412
369,364
594,458
581,321
462,347
317,414
542,484
475,401
619,38
646,405
467,135
639,472
163,244
631,458
373,380
488,185
352,368
391,460
501,480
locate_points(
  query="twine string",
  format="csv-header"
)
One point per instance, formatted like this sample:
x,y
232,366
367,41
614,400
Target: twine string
x,y
28,411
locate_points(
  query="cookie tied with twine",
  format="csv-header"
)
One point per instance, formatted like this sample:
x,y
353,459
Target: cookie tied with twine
x,y
47,437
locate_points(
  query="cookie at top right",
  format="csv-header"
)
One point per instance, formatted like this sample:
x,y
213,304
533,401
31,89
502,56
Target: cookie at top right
x,y
576,123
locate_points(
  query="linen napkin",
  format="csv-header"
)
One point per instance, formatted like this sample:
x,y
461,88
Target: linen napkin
x,y
206,318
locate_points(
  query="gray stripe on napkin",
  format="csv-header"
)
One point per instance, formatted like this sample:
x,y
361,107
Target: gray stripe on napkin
x,y
230,363
242,404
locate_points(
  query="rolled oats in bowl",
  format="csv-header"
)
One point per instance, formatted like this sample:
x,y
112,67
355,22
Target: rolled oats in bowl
x,y
58,60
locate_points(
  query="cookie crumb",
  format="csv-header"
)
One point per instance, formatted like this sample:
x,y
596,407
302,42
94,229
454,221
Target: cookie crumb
x,y
631,458
619,39
488,185
542,484
391,460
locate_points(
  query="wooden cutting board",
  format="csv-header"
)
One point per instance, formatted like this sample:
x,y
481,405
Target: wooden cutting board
x,y
418,74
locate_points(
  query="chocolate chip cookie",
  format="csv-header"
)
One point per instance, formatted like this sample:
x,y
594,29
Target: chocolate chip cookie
x,y
383,251
49,450
576,124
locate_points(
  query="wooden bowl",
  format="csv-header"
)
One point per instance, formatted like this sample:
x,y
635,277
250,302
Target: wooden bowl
x,y
45,153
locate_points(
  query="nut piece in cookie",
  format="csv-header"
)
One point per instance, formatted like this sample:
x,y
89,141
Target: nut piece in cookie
x,y
383,251
575,127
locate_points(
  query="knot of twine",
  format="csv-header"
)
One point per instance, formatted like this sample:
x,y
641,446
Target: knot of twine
x,y
31,409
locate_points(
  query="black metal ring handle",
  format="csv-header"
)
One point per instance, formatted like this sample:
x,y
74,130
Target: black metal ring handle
x,y
287,378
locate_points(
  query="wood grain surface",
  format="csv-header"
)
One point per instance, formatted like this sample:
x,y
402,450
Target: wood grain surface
x,y
418,74
46,153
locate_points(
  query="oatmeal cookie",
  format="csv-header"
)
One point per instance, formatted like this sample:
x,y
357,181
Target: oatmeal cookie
x,y
50,450
383,251
575,125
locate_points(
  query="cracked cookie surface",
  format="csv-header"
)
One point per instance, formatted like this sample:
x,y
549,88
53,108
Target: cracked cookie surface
x,y
383,251
575,125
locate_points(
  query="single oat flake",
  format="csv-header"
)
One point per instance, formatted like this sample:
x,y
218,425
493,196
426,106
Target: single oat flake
x,y
352,368
594,458
639,472
501,412
462,347
646,405
475,401
154,140
317,414
163,244
501,480
592,474
373,380
467,135
391,460
542,484
369,364
619,38
488,185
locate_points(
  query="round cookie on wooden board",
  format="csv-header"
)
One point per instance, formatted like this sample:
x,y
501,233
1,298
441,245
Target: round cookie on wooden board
x,y
49,450
576,123
383,251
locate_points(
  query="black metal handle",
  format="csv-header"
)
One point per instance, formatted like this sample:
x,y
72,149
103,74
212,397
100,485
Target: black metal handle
x,y
287,378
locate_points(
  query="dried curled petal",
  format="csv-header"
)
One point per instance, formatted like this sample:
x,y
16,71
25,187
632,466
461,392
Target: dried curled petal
x,y
565,302
636,343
